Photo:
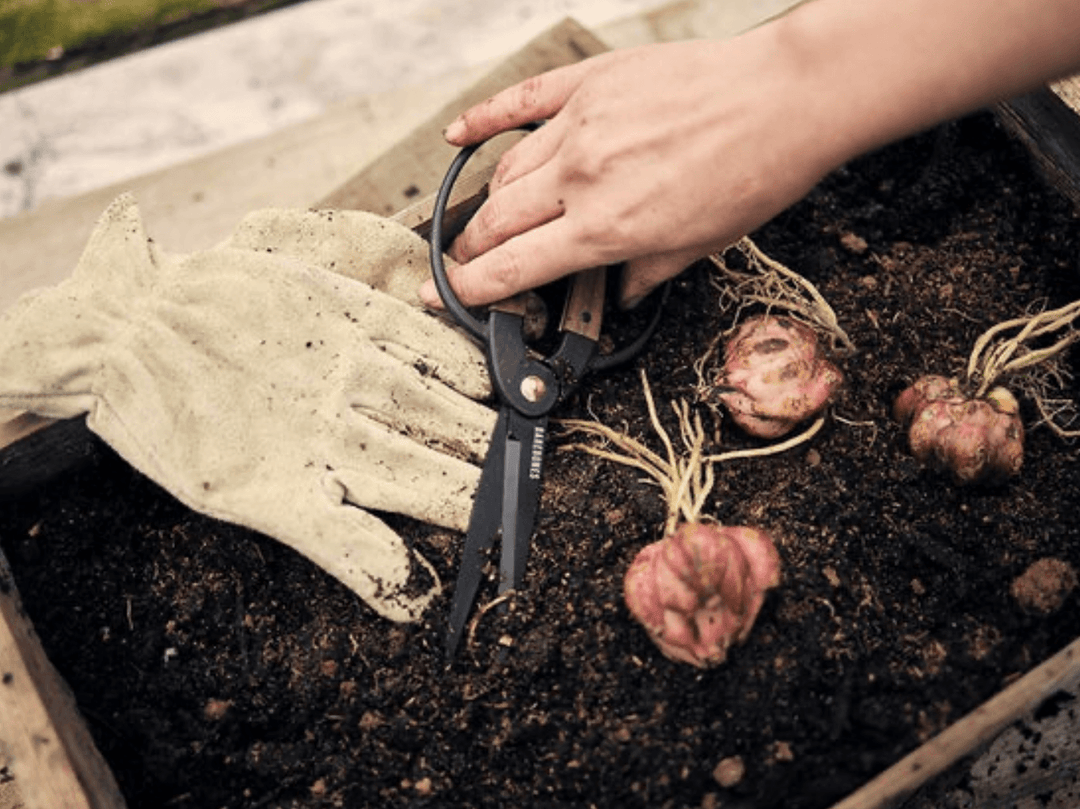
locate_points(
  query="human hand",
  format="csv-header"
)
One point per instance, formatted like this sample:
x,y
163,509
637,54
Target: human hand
x,y
661,154
656,156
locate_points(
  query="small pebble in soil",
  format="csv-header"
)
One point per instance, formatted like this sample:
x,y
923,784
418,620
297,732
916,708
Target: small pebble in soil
x,y
729,771
215,709
781,751
854,243
1044,586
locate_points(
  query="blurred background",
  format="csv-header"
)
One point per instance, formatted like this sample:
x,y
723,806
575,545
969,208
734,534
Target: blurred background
x,y
97,91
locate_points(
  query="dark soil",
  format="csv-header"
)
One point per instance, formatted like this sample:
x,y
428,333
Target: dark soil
x,y
216,668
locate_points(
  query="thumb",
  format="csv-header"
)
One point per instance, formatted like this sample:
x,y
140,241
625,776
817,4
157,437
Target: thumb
x,y
364,554
352,545
51,345
369,558
52,340
119,257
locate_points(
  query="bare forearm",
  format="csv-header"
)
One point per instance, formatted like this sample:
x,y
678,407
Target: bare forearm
x,y
876,70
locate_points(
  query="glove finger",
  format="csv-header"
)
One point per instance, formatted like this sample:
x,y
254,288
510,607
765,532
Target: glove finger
x,y
353,546
52,341
49,354
365,555
402,397
418,338
384,470
119,258
357,244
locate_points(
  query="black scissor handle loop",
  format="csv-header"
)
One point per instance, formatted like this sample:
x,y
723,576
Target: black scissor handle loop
x,y
631,350
453,304
481,329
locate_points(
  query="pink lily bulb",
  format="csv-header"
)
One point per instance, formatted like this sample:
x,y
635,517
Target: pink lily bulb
x,y
977,440
775,375
698,591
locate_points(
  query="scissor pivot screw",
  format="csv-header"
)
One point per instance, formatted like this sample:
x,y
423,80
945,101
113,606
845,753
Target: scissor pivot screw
x,y
533,388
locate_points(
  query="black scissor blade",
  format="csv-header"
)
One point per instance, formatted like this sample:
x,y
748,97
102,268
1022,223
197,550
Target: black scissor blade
x,y
521,495
484,523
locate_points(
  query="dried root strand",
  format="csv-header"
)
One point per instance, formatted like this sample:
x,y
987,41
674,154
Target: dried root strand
x,y
1039,385
990,360
1058,415
996,356
769,283
685,478
772,449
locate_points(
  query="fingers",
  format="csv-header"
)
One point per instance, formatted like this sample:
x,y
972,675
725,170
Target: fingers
x,y
527,155
643,275
531,100
539,255
527,203
526,261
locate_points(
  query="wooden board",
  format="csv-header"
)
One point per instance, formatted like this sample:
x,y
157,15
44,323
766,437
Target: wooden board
x,y
1047,122
962,738
44,740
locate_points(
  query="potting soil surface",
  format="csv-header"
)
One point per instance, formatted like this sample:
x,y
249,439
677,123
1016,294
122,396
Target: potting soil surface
x,y
217,668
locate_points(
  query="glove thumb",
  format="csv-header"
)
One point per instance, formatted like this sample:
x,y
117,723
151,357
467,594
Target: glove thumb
x,y
52,341
354,546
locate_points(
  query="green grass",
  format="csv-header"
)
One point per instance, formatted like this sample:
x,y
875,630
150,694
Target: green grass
x,y
34,30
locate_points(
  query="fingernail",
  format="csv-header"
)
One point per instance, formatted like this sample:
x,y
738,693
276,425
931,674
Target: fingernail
x,y
455,130
631,303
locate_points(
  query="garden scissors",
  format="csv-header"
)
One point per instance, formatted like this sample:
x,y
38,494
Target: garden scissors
x,y
528,386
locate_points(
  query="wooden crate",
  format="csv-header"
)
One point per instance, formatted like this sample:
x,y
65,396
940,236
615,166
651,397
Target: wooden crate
x,y
1048,123
42,738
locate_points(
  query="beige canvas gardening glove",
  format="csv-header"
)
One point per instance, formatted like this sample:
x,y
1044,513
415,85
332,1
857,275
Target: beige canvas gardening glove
x,y
259,382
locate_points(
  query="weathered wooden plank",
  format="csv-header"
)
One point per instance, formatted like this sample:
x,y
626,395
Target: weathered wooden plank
x,y
964,737
45,742
42,454
468,194
1047,122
